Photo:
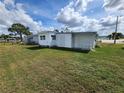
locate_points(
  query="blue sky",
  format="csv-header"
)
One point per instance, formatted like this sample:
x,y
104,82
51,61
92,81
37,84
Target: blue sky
x,y
77,15
44,10
96,10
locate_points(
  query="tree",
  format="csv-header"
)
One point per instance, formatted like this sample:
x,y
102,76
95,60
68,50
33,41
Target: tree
x,y
19,29
5,36
118,35
109,36
56,30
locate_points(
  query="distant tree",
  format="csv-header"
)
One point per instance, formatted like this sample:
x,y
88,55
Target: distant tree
x,y
11,34
109,36
118,35
19,29
5,36
56,30
66,29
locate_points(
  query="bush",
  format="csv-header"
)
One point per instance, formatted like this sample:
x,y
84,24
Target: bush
x,y
98,45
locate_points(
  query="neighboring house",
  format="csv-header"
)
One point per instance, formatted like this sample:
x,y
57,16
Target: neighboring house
x,y
77,40
103,38
2,40
31,39
12,40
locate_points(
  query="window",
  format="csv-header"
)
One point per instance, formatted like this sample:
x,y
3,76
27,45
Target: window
x,y
42,37
53,37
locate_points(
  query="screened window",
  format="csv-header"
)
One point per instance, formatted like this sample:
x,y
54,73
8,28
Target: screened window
x,y
53,37
42,37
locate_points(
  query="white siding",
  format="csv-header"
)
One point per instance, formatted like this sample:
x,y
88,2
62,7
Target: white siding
x,y
84,41
48,39
31,39
68,40
44,42
35,39
64,40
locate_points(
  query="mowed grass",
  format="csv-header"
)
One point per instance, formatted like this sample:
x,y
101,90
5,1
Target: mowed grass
x,y
29,69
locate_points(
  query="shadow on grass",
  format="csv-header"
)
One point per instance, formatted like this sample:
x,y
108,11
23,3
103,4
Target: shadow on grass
x,y
58,48
70,49
36,48
122,48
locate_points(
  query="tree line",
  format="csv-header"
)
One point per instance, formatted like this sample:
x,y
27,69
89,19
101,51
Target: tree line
x,y
17,29
115,35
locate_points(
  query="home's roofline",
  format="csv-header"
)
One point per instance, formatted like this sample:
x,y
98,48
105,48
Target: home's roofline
x,y
42,32
77,33
32,35
65,32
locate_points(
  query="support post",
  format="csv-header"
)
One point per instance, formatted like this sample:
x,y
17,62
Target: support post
x,y
116,30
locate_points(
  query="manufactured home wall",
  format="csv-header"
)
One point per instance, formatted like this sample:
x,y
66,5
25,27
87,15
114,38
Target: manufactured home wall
x,y
84,41
35,39
25,40
64,40
48,40
32,39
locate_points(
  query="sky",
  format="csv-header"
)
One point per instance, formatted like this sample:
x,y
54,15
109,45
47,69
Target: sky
x,y
77,15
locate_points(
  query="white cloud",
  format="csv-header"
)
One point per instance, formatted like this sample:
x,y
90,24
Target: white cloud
x,y
81,5
48,28
114,6
9,2
71,16
3,29
16,15
108,21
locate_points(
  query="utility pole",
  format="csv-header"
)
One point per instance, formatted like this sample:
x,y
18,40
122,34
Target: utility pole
x,y
116,29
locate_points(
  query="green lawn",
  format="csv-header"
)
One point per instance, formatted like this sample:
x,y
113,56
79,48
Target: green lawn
x,y
27,69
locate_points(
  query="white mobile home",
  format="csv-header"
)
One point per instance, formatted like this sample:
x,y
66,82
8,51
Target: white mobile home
x,y
31,39
47,38
78,40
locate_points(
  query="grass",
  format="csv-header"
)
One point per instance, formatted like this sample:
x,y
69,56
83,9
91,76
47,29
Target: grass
x,y
29,69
